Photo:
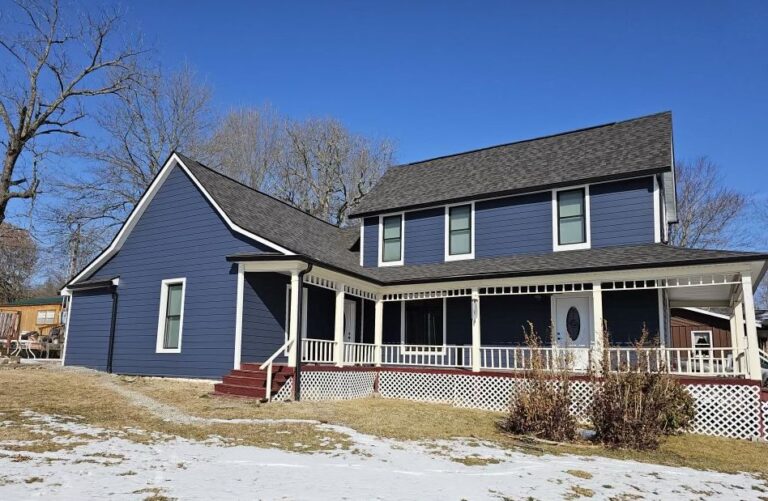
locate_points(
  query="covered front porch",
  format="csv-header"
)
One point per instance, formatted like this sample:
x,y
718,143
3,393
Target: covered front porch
x,y
478,325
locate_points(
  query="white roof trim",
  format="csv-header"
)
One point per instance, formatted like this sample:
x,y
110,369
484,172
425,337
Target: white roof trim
x,y
144,202
706,312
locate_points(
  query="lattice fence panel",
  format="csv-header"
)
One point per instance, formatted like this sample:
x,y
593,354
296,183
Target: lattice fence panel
x,y
417,386
327,385
721,410
284,393
726,410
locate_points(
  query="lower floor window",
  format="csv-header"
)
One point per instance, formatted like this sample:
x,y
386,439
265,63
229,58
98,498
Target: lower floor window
x,y
702,341
171,319
423,322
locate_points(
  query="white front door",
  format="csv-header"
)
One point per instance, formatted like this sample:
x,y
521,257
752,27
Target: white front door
x,y
573,326
350,320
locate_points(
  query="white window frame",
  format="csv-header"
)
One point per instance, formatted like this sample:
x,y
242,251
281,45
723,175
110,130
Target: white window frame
x,y
587,244
380,251
159,348
702,351
438,349
45,320
447,233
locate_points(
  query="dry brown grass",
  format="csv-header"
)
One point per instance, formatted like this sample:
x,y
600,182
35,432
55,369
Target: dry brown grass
x,y
83,396
397,419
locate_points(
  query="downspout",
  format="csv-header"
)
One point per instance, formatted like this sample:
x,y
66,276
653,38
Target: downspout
x,y
112,325
300,306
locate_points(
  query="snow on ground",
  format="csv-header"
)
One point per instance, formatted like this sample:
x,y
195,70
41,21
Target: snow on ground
x,y
115,468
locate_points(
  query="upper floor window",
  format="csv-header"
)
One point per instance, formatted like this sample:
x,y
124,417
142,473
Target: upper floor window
x,y
571,219
459,222
171,319
391,240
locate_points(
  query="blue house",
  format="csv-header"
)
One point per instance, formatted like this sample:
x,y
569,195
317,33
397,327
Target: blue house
x,y
449,261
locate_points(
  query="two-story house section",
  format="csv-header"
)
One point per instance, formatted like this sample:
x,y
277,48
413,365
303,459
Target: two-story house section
x,y
449,260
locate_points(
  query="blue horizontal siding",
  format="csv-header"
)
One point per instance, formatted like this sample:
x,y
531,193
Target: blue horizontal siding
x,y
504,319
179,235
425,236
621,212
263,315
89,321
370,248
626,313
515,225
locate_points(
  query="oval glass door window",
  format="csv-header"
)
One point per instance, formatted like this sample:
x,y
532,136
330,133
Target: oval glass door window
x,y
573,323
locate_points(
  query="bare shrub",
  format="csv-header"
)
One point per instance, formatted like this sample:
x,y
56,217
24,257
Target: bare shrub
x,y
542,405
639,403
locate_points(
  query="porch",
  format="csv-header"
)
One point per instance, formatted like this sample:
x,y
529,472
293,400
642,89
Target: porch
x,y
476,325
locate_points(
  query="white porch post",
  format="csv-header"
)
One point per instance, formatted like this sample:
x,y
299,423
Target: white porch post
x,y
239,315
476,333
737,335
753,353
598,336
338,327
293,323
378,331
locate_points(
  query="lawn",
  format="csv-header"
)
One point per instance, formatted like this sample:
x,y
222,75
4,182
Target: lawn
x,y
91,398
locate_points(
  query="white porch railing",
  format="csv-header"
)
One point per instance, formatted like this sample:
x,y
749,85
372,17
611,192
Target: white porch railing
x,y
318,351
359,353
680,361
426,355
522,358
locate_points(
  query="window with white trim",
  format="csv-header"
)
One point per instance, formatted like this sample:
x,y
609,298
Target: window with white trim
x,y
701,341
171,319
459,228
571,217
392,239
45,317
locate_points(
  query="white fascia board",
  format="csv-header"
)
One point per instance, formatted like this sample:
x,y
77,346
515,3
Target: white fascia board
x,y
142,205
706,312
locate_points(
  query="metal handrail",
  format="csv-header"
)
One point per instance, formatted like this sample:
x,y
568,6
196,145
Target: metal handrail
x,y
268,364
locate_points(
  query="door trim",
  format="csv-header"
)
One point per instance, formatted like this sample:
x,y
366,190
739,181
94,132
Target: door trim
x,y
590,312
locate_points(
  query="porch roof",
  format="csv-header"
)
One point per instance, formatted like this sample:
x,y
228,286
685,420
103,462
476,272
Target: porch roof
x,y
553,263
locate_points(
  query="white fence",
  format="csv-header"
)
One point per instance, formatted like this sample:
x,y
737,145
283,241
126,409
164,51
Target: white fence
x,y
679,361
515,358
318,351
359,353
727,410
426,355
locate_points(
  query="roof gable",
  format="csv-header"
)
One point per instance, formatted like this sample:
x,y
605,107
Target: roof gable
x,y
621,149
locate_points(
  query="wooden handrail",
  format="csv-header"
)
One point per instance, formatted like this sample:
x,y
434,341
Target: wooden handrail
x,y
268,364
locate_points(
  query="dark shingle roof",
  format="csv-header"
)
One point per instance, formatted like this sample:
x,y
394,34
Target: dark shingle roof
x,y
274,220
607,258
620,149
329,245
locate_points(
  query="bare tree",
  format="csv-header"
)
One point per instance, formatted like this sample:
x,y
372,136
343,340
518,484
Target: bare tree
x,y
18,255
325,169
141,128
709,212
247,144
51,66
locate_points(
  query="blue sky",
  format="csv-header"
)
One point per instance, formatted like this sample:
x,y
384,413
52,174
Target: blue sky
x,y
445,77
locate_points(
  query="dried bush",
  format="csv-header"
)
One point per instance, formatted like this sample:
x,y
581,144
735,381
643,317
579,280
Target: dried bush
x,y
636,406
541,407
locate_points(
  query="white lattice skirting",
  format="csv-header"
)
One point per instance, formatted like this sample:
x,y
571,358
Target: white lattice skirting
x,y
724,410
330,385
